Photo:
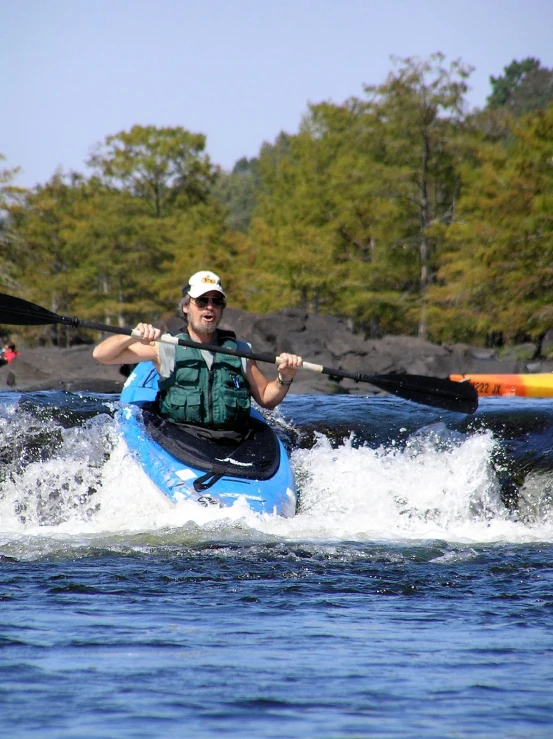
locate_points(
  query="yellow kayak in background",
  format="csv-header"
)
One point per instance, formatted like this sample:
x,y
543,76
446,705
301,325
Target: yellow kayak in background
x,y
539,385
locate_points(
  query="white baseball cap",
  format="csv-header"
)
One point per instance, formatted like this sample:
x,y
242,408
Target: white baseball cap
x,y
203,282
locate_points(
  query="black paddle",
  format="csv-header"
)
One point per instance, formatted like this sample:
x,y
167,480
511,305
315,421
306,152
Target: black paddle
x,y
432,391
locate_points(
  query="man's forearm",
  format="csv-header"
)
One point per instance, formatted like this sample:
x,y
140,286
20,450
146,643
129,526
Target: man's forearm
x,y
115,350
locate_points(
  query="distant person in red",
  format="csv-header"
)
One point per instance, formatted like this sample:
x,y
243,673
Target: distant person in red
x,y
8,354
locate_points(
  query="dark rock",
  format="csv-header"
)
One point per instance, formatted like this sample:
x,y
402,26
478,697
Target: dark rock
x,y
547,344
50,368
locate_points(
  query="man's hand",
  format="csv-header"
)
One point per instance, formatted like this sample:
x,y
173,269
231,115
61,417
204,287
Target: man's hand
x,y
288,365
146,333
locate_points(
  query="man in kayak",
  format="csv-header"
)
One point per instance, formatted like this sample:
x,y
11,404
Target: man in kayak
x,y
196,386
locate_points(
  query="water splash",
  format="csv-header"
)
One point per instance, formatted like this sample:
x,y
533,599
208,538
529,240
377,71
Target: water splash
x,y
70,487
424,490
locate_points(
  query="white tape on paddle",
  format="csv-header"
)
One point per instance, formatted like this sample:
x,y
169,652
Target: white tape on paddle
x,y
164,338
305,365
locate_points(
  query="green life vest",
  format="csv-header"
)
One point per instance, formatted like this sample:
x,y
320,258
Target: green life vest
x,y
218,397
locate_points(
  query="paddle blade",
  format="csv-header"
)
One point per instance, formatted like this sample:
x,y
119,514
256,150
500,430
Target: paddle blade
x,y
22,313
433,391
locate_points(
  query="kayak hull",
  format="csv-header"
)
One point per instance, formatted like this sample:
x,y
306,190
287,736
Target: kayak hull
x,y
539,385
271,492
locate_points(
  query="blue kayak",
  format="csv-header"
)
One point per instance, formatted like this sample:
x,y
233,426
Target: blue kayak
x,y
186,463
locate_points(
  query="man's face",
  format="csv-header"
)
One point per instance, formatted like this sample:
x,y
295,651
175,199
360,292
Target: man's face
x,y
205,312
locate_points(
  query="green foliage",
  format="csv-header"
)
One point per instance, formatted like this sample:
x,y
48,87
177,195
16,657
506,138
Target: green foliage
x,y
117,246
395,209
498,271
45,225
422,106
237,191
9,194
525,87
166,167
9,267
348,202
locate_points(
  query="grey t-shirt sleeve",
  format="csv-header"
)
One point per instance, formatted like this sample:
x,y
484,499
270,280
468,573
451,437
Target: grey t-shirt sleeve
x,y
167,356
244,347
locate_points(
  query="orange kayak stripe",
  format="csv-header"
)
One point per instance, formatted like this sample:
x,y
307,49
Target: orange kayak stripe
x,y
539,385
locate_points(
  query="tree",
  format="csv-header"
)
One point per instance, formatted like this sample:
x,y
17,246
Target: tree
x,y
368,271
497,275
166,167
524,87
364,183
161,221
45,226
124,248
422,105
238,192
9,196
288,225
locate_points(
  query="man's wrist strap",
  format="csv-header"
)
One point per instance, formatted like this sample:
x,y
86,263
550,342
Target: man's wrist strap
x,y
284,382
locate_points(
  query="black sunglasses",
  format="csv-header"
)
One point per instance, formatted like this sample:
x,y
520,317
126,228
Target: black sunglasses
x,y
202,302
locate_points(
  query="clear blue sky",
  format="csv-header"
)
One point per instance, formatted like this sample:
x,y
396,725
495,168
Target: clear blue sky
x,y
239,71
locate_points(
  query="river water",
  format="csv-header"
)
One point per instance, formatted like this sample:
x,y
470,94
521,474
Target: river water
x,y
411,595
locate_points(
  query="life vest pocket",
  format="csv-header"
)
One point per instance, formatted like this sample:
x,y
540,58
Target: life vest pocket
x,y
189,373
237,406
185,405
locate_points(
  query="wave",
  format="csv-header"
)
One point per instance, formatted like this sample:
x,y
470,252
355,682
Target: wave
x,y
68,484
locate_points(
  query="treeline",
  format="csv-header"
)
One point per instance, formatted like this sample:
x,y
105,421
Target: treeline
x,y
400,210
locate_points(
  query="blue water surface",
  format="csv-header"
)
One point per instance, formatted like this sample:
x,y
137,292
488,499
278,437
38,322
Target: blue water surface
x,y
228,629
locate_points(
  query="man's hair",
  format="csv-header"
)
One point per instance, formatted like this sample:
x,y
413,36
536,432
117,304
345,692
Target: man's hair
x,y
185,300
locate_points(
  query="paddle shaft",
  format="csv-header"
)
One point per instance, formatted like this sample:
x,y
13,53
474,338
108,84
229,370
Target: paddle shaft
x,y
168,339
432,391
268,358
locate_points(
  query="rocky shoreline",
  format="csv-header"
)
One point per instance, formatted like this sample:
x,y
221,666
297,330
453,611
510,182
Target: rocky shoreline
x,y
322,340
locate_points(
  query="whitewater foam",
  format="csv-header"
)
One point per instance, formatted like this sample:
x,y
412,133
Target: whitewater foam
x,y
435,487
